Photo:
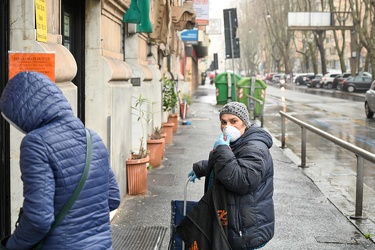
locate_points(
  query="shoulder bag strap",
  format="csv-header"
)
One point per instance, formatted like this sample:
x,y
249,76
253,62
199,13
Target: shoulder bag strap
x,y
75,194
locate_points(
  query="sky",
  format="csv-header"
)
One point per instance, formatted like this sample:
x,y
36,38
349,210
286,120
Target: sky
x,y
216,9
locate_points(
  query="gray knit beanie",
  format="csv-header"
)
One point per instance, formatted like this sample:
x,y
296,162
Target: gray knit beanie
x,y
238,109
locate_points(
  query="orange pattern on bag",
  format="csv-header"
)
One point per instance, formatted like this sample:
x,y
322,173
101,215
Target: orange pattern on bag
x,y
194,246
223,217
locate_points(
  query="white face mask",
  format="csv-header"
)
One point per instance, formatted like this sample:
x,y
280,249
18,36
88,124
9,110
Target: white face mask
x,y
233,132
11,123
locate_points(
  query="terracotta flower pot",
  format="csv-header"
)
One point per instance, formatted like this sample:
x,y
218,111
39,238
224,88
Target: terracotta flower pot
x,y
136,170
168,129
173,118
163,135
156,151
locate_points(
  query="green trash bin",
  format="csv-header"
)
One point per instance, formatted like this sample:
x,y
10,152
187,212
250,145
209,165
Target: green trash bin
x,y
221,84
244,90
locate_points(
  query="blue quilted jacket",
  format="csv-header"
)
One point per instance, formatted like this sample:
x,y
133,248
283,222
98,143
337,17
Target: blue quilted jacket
x,y
52,160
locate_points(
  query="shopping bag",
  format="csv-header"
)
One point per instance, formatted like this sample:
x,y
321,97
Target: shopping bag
x,y
177,207
205,225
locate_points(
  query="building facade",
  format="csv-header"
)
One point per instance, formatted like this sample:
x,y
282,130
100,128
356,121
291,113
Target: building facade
x,y
102,64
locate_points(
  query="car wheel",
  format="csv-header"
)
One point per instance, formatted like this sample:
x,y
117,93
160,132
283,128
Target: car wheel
x,y
369,113
351,89
297,83
317,85
329,85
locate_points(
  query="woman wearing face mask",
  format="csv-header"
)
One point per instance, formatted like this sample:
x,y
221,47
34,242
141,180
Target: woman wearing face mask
x,y
242,163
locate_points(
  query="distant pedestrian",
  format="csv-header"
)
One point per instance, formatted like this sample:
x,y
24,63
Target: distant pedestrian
x,y
52,162
242,163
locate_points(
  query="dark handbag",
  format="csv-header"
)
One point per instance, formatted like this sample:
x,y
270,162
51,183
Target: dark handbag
x,y
205,226
60,216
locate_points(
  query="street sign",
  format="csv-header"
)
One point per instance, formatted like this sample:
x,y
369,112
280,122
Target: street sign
x,y
189,35
214,27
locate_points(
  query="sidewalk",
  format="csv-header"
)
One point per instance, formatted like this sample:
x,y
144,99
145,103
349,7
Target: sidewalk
x,y
305,219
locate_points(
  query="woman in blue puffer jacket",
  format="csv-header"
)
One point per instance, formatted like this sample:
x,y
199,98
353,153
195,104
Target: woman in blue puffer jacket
x,y
52,160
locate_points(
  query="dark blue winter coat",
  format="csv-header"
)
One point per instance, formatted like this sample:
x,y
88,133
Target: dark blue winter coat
x,y
52,159
246,171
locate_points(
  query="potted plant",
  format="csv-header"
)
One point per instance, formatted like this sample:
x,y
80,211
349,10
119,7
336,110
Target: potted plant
x,y
136,164
170,98
186,101
167,128
155,146
173,118
170,101
136,170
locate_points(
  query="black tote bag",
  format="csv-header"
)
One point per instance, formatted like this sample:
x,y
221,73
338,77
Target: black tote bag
x,y
205,226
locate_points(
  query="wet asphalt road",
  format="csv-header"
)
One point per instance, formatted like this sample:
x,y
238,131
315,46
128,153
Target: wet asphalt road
x,y
338,113
332,168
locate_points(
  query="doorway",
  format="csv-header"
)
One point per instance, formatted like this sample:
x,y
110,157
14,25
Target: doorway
x,y
4,126
73,34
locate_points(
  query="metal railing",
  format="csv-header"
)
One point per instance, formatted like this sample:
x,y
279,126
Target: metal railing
x,y
360,153
252,107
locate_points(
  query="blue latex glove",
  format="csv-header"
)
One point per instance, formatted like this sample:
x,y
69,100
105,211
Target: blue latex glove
x,y
192,176
221,141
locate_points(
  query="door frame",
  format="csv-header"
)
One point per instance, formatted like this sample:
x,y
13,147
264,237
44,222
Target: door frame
x,y
76,9
5,212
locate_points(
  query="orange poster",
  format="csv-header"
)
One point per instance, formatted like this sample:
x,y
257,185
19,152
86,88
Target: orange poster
x,y
32,61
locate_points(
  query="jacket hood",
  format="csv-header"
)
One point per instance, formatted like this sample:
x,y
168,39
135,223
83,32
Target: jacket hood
x,y
254,133
31,100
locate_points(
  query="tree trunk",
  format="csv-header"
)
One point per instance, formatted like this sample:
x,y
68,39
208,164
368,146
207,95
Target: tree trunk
x,y
372,56
286,64
319,39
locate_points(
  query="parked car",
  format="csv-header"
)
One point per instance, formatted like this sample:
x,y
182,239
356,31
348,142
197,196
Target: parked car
x,y
370,101
338,79
364,73
294,77
327,80
301,79
356,83
269,77
315,82
261,77
276,78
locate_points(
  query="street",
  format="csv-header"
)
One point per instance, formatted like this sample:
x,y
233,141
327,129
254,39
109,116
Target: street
x,y
331,167
311,210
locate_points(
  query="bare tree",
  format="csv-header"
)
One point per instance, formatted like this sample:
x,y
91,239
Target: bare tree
x,y
309,49
277,27
251,36
341,15
362,12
